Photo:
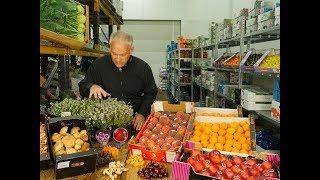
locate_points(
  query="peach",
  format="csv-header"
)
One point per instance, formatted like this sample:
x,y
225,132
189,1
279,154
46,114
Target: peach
x,y
160,141
157,114
171,116
151,125
154,120
159,126
165,128
186,117
178,137
165,146
175,126
147,133
169,139
156,130
143,139
153,137
172,132
176,143
156,148
181,130
179,114
162,135
150,144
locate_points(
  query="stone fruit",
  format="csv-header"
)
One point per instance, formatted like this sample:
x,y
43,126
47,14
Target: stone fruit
x,y
157,114
156,148
171,116
186,117
143,139
176,143
163,120
150,144
165,129
160,141
166,146
159,126
156,130
181,130
151,125
178,137
179,114
169,139
162,135
175,126
177,120
172,132
154,120
154,137
147,133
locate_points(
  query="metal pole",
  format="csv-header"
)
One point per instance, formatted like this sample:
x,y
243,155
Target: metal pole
x,y
96,24
241,50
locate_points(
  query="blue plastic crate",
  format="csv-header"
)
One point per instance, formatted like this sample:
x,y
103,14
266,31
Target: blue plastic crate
x,y
276,90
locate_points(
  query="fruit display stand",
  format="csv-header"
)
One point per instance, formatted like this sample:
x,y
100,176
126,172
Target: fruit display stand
x,y
270,59
232,62
218,62
143,143
250,59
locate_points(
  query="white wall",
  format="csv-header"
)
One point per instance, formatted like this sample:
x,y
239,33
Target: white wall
x,y
195,15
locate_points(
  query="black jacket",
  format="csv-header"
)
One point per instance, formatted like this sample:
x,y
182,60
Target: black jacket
x,y
134,83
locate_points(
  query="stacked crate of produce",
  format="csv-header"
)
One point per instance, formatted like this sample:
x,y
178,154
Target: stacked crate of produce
x,y
213,32
277,16
236,23
266,20
256,99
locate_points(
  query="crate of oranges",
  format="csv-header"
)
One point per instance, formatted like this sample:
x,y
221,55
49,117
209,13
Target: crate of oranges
x,y
230,134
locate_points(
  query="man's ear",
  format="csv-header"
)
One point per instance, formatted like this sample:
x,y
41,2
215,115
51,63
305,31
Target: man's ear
x,y
131,50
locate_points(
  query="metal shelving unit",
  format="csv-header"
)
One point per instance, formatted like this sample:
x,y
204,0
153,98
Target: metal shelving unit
x,y
240,41
175,80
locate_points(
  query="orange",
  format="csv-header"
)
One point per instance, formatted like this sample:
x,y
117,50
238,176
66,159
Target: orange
x,y
219,146
207,130
237,145
231,130
223,126
221,139
215,128
240,129
196,138
229,142
245,147
222,132
244,151
204,144
210,146
235,150
243,123
248,141
247,134
204,137
213,139
229,136
197,133
227,147
236,136
234,125
242,140
214,134
246,127
198,127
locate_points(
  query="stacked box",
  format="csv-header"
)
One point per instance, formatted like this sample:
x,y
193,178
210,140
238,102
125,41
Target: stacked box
x,y
277,16
255,99
251,25
254,12
266,20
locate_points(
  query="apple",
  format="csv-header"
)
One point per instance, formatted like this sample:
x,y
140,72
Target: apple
x,y
244,174
147,133
220,167
219,174
176,143
166,146
171,116
266,165
143,139
160,141
150,144
181,130
156,130
198,166
157,114
237,160
175,126
186,117
169,139
162,135
159,126
163,119
165,128
207,163
172,132
223,158
154,120
269,173
191,160
195,152
156,148
254,172
153,137
228,174
228,163
179,114
237,177
201,157
251,162
215,157
212,170
151,125
236,168
177,120
178,137
252,178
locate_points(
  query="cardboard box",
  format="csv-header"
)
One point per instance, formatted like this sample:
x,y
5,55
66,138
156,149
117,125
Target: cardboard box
x,y
256,95
255,12
277,21
277,11
275,109
255,106
251,29
162,155
266,24
251,21
266,16
217,112
209,119
72,164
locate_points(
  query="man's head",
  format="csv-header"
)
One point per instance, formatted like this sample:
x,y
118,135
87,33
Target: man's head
x,y
121,48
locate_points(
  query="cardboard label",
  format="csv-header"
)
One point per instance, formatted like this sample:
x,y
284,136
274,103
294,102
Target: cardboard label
x,y
64,164
188,107
65,114
136,152
170,156
158,106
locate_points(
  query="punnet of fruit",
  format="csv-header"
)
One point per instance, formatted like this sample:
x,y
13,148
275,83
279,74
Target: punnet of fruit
x,y
222,166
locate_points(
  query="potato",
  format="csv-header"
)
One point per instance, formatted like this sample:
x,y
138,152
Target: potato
x,y
68,141
75,129
64,130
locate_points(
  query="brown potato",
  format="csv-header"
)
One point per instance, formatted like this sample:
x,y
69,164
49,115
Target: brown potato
x,y
64,130
75,129
68,141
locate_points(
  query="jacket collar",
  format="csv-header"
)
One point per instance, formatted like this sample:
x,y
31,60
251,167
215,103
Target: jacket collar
x,y
130,61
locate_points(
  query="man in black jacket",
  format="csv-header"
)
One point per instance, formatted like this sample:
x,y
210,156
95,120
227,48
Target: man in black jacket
x,y
122,76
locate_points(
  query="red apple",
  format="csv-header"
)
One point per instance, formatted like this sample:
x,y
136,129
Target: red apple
x,y
244,174
143,139
176,143
219,174
169,139
156,148
236,168
153,137
266,165
172,132
215,157
195,152
251,162
177,120
166,146
159,126
237,177
186,117
150,144
198,166
162,135
237,160
163,120
252,178
254,172
223,158
207,163
181,130
179,114
220,167
191,160
228,174
201,157
228,163
212,170
171,116
154,120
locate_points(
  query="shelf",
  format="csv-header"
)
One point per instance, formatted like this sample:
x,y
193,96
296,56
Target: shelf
x,y
182,58
181,49
66,51
267,116
226,97
264,35
202,58
107,8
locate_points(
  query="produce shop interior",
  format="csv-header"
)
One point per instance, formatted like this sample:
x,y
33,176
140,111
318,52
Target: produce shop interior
x,y
169,89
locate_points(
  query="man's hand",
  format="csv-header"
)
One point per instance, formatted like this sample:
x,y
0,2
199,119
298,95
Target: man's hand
x,y
97,92
138,121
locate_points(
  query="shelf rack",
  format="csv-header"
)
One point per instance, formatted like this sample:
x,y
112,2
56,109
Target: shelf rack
x,y
240,41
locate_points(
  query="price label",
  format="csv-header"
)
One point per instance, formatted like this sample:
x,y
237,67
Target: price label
x,y
64,164
65,114
170,156
136,152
